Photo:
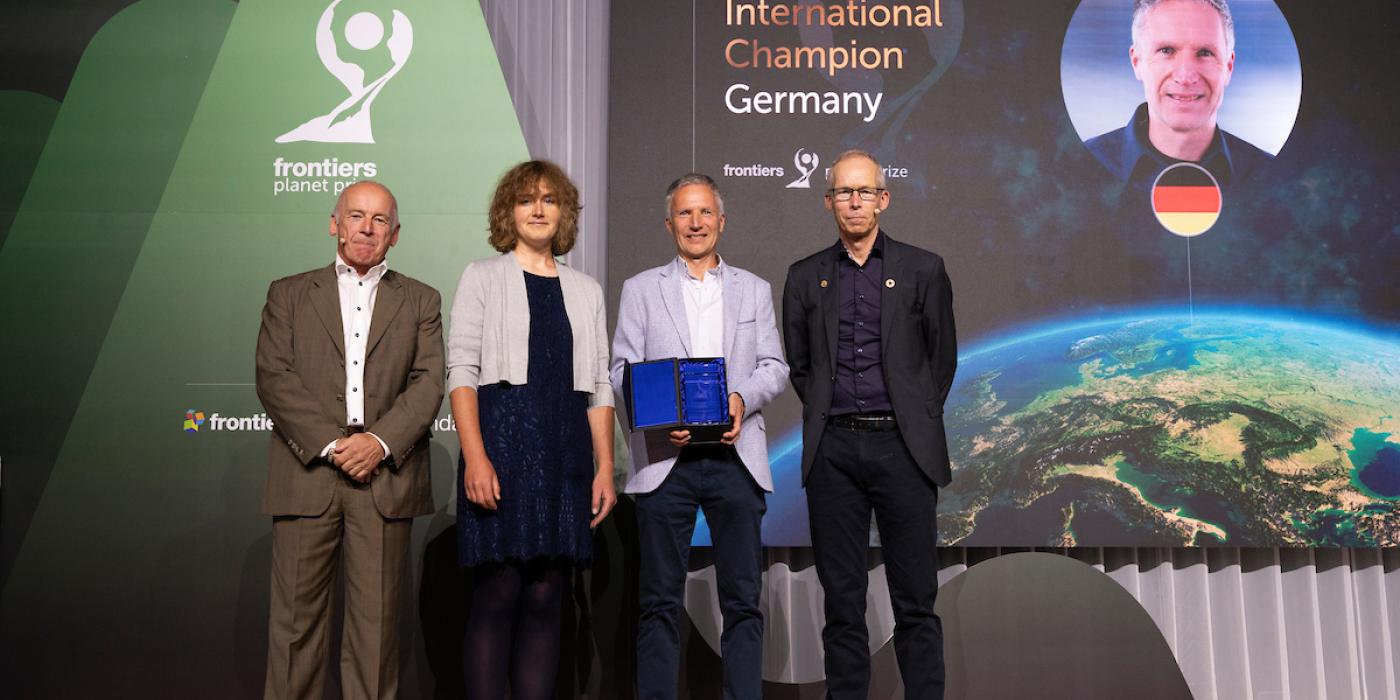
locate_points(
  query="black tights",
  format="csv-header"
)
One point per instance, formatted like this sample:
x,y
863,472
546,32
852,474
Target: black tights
x,y
513,629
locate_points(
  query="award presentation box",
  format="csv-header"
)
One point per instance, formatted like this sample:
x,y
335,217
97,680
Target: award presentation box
x,y
678,394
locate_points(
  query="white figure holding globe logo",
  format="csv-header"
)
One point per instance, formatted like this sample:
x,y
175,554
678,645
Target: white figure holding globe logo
x,y
806,165
349,122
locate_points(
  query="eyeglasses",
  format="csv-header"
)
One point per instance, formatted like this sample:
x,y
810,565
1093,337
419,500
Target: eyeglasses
x,y
843,194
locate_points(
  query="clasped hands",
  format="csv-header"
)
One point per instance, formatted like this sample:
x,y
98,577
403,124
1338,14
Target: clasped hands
x,y
358,455
681,438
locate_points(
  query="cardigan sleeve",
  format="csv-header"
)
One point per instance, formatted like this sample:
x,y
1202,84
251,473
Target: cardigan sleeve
x,y
602,387
464,335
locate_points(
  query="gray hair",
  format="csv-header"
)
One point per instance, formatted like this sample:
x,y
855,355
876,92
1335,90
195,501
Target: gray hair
x,y
1222,7
394,201
693,179
856,153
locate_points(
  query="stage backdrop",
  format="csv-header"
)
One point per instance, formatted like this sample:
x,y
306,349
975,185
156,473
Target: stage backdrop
x,y
1212,360
194,158
164,161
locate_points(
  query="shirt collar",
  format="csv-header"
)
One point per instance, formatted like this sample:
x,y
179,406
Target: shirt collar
x,y
376,273
717,271
1139,153
877,249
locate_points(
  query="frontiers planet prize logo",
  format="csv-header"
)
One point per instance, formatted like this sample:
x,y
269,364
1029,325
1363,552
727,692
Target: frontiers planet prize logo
x,y
350,121
806,165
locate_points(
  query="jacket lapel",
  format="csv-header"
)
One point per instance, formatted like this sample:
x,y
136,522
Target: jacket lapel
x,y
732,301
671,282
888,308
325,298
387,300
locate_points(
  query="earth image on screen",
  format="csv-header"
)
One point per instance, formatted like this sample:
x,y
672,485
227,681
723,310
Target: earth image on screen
x,y
1239,428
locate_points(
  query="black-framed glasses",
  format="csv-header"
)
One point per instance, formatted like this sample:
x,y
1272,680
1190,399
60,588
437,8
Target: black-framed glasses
x,y
844,194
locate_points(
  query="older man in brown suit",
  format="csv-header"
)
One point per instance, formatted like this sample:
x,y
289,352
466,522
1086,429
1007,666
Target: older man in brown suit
x,y
350,369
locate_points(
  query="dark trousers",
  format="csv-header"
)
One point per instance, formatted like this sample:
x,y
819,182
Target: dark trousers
x,y
712,478
853,472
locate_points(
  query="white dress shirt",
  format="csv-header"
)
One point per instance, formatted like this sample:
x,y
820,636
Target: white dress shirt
x,y
357,295
704,310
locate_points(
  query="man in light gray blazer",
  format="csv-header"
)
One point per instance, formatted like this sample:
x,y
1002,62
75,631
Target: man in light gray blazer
x,y
697,305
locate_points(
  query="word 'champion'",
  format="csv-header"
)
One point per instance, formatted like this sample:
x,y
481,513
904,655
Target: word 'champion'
x,y
741,100
748,53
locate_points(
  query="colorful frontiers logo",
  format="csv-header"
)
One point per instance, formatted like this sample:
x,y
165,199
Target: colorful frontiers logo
x,y
349,121
193,420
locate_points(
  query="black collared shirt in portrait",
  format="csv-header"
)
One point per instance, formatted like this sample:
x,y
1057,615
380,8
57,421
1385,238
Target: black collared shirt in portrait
x,y
1129,154
860,380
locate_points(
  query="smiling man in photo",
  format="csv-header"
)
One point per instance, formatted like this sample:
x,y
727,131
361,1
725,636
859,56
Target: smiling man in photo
x,y
1183,53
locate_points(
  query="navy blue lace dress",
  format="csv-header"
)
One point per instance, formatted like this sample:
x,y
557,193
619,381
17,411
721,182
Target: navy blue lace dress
x,y
538,439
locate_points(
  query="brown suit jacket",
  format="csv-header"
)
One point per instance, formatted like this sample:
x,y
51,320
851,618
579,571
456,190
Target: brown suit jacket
x,y
301,382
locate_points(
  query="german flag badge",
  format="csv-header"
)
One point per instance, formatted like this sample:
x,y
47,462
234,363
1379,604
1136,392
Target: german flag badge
x,y
1186,199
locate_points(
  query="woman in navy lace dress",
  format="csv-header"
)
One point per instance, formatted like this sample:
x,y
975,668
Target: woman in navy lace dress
x,y
528,382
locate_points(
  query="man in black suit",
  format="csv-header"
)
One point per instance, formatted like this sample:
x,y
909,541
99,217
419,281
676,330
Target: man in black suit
x,y
868,324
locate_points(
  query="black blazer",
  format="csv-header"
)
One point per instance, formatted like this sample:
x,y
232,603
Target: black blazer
x,y
919,347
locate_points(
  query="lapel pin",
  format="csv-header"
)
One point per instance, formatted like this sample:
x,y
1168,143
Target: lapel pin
x,y
890,283
823,283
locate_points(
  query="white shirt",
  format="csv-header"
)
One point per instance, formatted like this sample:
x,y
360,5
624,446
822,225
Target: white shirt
x,y
357,295
704,310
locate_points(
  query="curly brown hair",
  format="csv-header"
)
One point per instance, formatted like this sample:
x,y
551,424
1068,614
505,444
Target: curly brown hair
x,y
523,179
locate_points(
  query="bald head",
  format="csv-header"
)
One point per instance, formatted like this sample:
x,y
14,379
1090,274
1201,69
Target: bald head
x,y
365,224
345,193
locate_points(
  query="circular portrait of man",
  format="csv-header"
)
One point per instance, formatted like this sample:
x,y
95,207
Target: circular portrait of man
x,y
1152,83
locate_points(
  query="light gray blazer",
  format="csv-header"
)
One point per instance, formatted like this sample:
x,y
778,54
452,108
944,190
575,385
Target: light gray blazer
x,y
489,339
651,325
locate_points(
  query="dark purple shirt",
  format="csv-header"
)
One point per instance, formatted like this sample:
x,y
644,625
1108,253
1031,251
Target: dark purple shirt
x,y
860,380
